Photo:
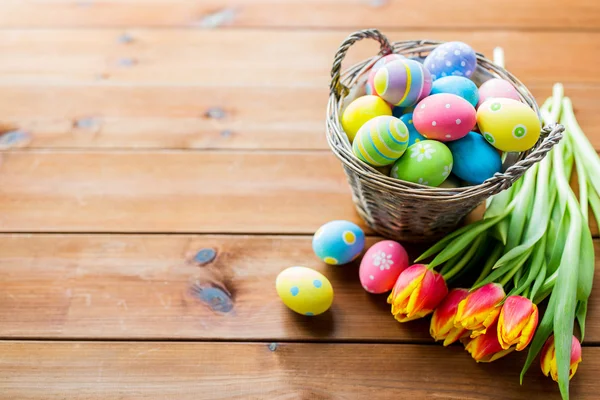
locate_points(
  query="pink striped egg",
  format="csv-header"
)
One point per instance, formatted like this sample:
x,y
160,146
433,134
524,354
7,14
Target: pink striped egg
x,y
444,117
402,83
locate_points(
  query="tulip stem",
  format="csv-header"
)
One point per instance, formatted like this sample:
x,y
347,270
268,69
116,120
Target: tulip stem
x,y
496,253
465,259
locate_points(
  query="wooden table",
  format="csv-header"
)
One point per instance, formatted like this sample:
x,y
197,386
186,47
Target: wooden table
x,y
152,132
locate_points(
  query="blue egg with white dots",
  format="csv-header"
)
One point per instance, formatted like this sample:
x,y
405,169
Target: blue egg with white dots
x,y
451,59
457,85
413,135
338,242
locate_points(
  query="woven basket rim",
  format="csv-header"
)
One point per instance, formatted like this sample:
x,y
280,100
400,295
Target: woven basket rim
x,y
341,147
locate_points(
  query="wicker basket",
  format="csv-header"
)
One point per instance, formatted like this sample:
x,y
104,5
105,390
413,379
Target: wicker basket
x,y
408,211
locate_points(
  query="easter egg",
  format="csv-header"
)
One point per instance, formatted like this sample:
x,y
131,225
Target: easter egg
x,y
338,242
451,59
497,88
458,85
381,266
382,61
381,141
475,160
402,82
360,111
413,135
508,125
444,117
304,290
427,162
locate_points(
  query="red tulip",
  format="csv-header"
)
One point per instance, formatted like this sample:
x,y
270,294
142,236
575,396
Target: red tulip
x,y
548,358
486,347
480,309
442,323
416,293
517,322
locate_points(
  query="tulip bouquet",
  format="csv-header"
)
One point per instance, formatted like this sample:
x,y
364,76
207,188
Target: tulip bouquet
x,y
533,245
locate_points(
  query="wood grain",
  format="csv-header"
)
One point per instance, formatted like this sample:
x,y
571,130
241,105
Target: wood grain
x,y
172,191
433,14
154,287
178,117
261,58
87,370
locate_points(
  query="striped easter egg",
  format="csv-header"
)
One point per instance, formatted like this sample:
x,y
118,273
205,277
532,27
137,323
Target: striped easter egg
x,y
402,82
369,86
381,141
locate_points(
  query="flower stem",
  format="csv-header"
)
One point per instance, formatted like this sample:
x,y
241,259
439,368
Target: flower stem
x,y
496,253
465,259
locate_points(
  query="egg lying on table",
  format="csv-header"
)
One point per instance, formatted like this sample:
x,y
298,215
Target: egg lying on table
x,y
360,111
304,290
475,160
413,135
382,61
497,88
457,85
338,242
402,82
381,141
508,125
451,59
381,266
427,162
444,117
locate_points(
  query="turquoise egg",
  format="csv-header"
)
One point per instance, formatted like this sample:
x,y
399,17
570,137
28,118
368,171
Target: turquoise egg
x,y
458,85
338,242
381,141
475,160
413,135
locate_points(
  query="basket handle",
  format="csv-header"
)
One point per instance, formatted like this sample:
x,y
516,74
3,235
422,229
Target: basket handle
x,y
337,87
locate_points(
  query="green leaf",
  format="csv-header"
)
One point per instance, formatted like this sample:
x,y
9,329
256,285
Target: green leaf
x,y
465,259
523,203
537,260
498,203
595,205
500,231
539,280
489,263
447,239
510,267
462,241
581,313
542,333
559,244
586,264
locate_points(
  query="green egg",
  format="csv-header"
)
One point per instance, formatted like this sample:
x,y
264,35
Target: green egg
x,y
381,141
427,162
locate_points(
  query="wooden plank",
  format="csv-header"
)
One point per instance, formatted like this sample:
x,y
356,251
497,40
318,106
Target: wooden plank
x,y
434,14
172,191
147,287
74,370
179,117
261,58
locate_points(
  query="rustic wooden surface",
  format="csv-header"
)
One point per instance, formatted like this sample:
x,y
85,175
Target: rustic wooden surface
x,y
149,130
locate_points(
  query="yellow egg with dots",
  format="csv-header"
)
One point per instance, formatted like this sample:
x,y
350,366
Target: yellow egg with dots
x,y
304,290
508,125
362,110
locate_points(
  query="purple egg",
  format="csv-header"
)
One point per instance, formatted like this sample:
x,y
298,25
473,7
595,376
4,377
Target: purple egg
x,y
451,59
402,83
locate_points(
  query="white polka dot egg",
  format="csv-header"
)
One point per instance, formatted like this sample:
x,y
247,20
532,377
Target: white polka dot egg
x,y
508,125
304,290
451,59
444,117
338,242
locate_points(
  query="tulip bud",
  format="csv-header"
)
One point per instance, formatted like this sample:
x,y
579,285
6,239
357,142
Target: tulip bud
x,y
548,358
486,347
416,293
480,309
442,323
517,322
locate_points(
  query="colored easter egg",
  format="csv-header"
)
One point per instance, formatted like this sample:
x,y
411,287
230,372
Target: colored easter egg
x,y
458,85
508,125
381,141
362,110
413,135
427,162
382,61
451,59
402,82
444,117
475,160
381,266
497,88
304,290
338,242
